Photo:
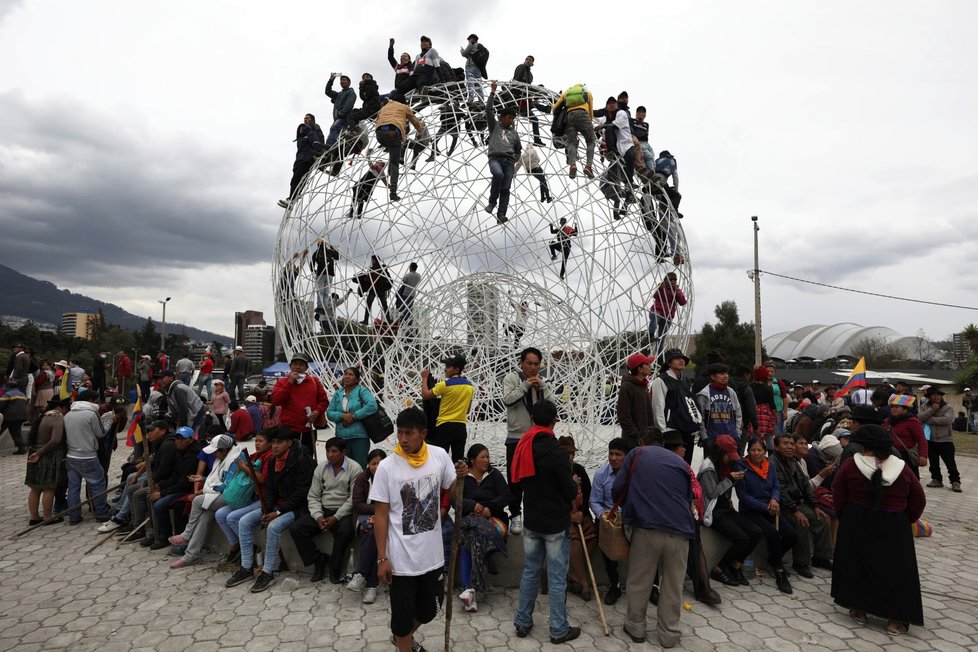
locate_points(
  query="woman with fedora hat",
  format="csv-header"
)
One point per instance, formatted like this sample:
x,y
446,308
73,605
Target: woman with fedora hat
x,y
877,498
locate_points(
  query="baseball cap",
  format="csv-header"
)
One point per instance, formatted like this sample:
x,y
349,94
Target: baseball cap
x,y
727,444
299,355
239,348
221,442
185,432
251,399
636,360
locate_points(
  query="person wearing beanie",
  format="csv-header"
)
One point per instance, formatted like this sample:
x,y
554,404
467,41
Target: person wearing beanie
x,y
875,572
908,432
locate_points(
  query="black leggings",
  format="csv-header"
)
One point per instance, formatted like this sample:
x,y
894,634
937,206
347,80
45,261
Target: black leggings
x,y
743,534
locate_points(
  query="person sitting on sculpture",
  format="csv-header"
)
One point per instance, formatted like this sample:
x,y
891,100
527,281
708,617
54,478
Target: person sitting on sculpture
x,y
370,96
562,243
504,150
425,68
402,68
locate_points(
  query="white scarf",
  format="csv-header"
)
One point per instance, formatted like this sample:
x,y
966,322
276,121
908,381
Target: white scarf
x,y
218,471
891,467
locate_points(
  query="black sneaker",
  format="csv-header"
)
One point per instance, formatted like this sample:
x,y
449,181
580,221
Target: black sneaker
x,y
571,634
159,544
781,578
611,597
264,581
394,196
490,208
124,529
738,574
720,575
523,632
825,564
240,577
635,639
233,556
804,571
502,219
147,542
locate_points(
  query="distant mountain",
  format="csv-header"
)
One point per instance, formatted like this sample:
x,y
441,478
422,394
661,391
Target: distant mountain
x,y
40,301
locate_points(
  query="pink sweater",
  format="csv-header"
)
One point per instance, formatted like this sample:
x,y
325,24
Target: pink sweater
x,y
219,403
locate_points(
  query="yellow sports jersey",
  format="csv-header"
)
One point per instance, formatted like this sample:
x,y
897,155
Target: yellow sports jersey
x,y
456,397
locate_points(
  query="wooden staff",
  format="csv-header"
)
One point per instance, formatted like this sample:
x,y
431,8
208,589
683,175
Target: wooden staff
x,y
60,514
594,584
459,488
134,531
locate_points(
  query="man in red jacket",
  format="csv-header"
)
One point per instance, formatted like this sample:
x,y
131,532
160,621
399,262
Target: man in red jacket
x,y
123,372
301,400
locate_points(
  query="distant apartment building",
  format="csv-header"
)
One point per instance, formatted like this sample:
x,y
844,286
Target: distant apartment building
x,y
78,324
242,320
960,349
259,344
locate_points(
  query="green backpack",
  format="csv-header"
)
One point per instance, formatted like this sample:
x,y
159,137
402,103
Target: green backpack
x,y
576,96
240,491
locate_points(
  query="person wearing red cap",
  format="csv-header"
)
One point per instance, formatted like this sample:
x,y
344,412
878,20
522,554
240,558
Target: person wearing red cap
x,y
720,471
634,401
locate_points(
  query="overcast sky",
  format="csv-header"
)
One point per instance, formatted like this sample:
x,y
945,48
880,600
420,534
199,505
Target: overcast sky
x,y
143,147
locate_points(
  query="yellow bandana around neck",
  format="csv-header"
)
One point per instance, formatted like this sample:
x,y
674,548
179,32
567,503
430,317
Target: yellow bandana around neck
x,y
417,459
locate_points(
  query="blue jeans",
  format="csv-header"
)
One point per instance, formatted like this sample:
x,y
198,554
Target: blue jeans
x,y
555,548
124,507
502,178
473,83
161,510
205,380
91,471
658,326
334,132
228,519
273,534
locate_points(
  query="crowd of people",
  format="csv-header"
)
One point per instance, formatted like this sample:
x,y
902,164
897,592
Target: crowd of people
x,y
634,172
816,474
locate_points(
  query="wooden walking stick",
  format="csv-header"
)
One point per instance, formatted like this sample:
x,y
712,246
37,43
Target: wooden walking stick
x,y
134,531
594,584
459,488
60,514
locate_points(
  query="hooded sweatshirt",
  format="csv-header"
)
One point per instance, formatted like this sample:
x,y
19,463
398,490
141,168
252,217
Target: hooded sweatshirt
x,y
83,431
503,143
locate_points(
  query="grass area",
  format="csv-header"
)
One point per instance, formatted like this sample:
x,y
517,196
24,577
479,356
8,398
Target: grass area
x,y
965,443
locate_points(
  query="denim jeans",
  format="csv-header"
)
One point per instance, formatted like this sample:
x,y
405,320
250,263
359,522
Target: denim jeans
x,y
161,511
207,381
658,326
473,83
502,178
228,519
555,548
124,506
91,471
334,131
273,534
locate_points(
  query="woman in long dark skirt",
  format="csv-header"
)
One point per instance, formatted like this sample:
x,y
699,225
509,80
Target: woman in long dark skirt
x,y
877,498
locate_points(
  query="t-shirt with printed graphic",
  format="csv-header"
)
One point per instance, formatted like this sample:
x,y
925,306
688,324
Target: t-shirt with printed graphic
x,y
414,539
456,397
721,412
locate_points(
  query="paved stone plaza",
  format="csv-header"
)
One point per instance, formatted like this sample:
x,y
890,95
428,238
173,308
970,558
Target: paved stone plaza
x,y
53,596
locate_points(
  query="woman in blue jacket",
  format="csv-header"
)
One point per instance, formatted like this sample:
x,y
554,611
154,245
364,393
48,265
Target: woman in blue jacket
x,y
351,403
759,494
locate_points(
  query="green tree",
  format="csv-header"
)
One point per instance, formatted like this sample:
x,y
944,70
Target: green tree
x,y
970,334
733,340
148,338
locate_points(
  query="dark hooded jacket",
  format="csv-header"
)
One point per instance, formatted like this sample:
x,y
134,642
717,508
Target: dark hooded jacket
x,y
286,490
370,96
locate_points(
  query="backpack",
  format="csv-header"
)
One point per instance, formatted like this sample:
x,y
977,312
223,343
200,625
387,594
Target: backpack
x,y
480,57
240,491
559,124
576,96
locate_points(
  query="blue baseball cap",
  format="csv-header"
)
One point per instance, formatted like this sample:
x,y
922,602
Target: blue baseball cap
x,y
186,432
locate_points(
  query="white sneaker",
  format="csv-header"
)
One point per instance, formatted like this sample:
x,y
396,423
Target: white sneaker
x,y
370,595
516,525
109,526
356,582
468,600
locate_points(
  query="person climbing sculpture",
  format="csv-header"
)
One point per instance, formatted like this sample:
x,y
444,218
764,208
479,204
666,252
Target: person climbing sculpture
x,y
504,150
562,243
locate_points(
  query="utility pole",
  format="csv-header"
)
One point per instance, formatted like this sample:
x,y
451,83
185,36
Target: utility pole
x,y
757,298
165,301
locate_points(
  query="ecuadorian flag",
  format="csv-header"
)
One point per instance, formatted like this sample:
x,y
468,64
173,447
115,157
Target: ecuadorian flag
x,y
856,379
135,434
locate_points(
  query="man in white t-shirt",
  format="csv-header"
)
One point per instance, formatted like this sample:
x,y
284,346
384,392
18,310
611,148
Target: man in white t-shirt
x,y
406,492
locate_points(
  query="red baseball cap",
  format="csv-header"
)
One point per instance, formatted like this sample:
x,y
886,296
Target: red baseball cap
x,y
727,444
636,360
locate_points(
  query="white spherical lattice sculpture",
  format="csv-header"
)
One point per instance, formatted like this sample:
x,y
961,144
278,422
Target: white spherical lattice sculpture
x,y
487,289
